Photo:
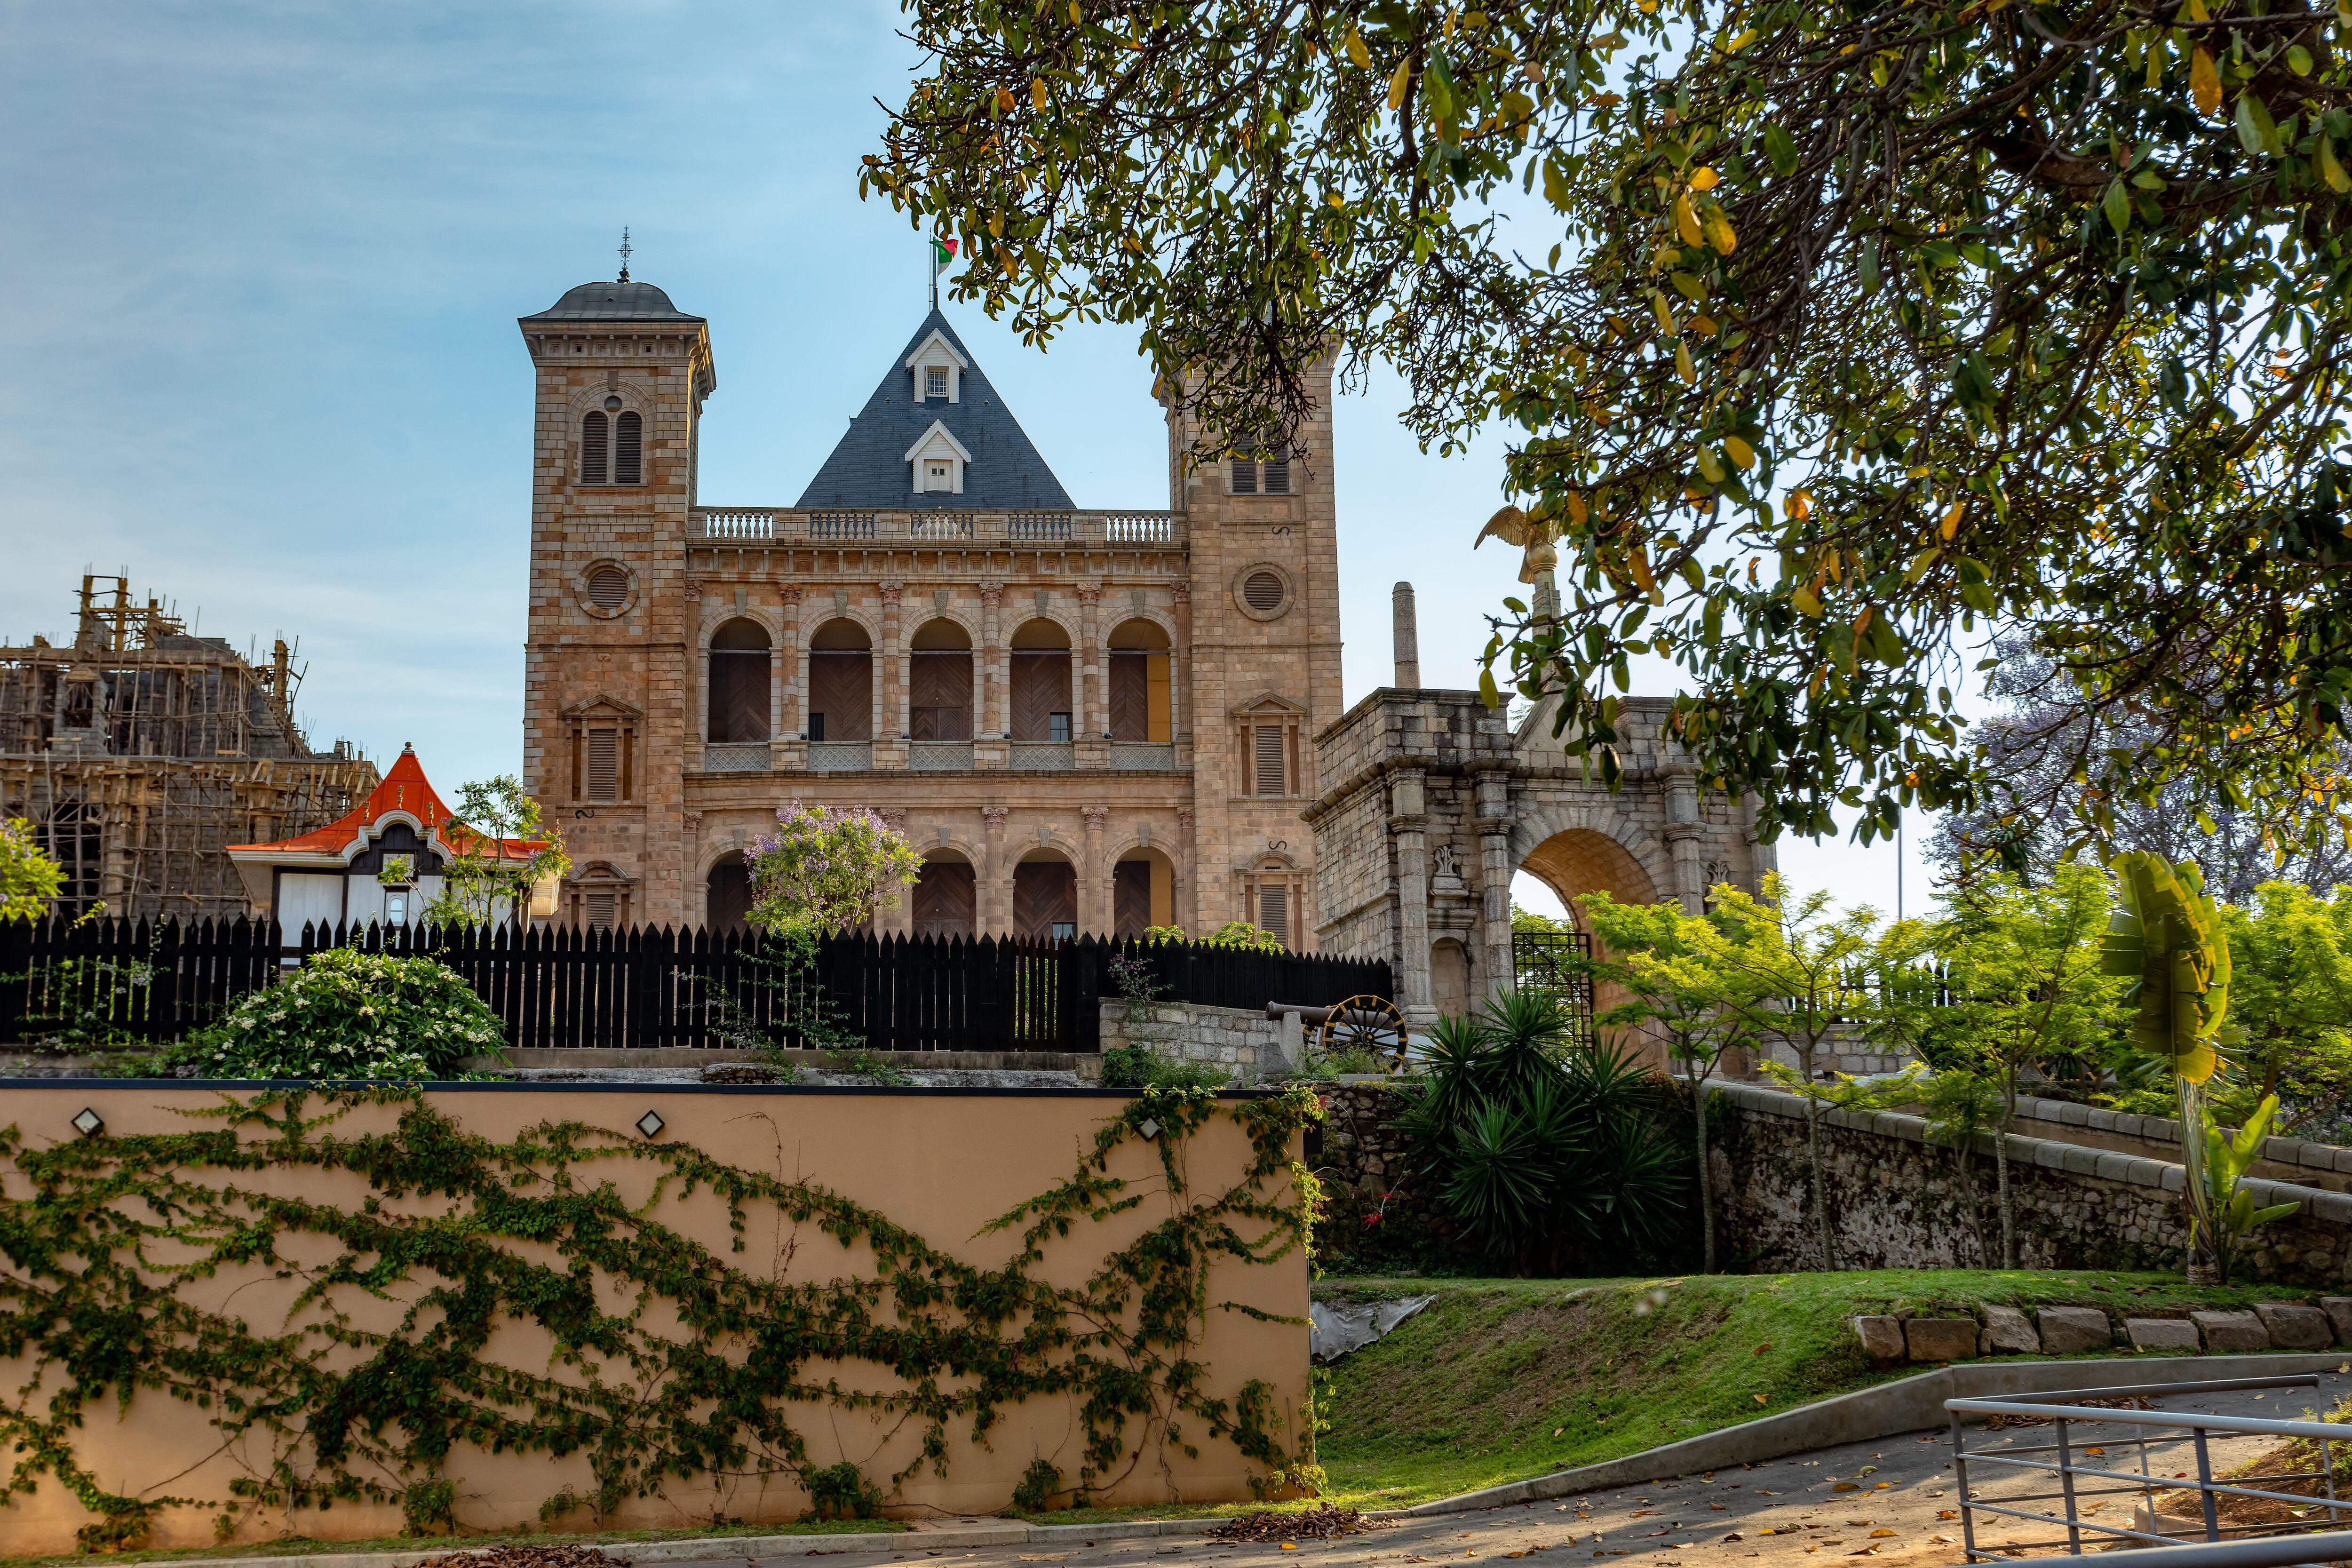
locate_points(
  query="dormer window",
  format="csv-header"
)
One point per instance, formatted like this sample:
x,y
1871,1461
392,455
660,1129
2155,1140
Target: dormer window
x,y
938,461
938,369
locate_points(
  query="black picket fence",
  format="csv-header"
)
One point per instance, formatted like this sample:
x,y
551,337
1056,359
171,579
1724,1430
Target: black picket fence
x,y
114,981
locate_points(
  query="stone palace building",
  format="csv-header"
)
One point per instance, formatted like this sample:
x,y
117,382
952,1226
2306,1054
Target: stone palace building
x,y
1084,721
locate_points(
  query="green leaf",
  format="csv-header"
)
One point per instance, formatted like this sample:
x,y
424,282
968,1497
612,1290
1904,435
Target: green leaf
x,y
2118,206
2256,133
1781,148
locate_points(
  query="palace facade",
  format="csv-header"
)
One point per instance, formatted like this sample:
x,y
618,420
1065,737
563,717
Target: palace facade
x,y
1084,721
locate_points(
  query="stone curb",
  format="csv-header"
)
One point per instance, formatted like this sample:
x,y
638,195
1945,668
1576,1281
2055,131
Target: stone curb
x,y
728,1547
1907,1405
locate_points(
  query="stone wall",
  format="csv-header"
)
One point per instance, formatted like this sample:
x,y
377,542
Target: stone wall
x,y
1251,1044
1898,1202
1376,1217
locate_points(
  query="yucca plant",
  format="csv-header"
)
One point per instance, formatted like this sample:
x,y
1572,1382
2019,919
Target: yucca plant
x,y
1545,1152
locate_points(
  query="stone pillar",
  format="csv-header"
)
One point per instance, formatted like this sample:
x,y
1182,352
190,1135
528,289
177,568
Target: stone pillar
x,y
1185,896
1407,824
698,670
1094,877
1091,723
991,671
1684,831
1498,970
890,687
786,749
1406,636
993,896
899,920
1179,680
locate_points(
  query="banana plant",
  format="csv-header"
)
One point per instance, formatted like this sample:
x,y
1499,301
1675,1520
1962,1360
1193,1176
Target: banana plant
x,y
2227,1160
2168,939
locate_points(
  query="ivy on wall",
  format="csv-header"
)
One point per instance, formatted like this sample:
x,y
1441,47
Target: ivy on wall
x,y
671,1359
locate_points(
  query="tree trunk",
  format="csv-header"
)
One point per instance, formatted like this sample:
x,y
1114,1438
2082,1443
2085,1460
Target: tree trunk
x,y
2001,1164
1813,1158
1705,1182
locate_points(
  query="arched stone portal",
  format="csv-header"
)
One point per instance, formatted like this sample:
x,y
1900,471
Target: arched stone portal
x,y
1432,802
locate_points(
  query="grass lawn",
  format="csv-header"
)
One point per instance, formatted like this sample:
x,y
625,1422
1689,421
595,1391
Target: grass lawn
x,y
297,1547
1499,1380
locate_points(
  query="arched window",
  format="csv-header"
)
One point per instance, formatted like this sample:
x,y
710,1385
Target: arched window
x,y
727,894
1041,683
940,683
738,682
591,449
1138,681
628,433
1045,896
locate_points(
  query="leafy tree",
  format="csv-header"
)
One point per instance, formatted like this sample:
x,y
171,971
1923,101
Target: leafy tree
x,y
1828,332
502,849
30,877
825,869
2035,754
1233,933
1663,962
2290,997
2024,969
1800,975
1540,924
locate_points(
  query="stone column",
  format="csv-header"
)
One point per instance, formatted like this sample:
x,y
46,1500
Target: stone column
x,y
1407,824
989,668
790,701
1091,723
1498,970
890,687
1184,896
1406,636
1684,830
993,898
698,670
1179,680
1094,877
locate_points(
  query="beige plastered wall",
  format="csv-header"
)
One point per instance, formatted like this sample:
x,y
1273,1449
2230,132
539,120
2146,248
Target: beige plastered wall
x,y
942,1163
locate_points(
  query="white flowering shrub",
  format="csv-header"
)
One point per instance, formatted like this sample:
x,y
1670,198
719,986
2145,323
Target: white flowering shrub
x,y
352,1015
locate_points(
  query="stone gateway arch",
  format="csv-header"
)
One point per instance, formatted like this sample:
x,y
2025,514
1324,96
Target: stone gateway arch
x,y
1431,803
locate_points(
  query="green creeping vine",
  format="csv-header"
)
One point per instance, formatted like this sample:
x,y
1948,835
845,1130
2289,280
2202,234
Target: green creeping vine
x,y
669,1362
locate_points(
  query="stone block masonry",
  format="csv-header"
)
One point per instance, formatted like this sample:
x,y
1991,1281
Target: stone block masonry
x,y
1897,1201
1250,1045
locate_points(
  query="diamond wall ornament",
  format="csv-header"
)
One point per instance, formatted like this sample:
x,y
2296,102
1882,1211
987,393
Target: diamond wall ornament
x,y
88,1122
650,1124
1150,1128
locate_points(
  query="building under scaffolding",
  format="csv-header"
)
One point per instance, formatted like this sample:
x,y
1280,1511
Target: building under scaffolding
x,y
138,751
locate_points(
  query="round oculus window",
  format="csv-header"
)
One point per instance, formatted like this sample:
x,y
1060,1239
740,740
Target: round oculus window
x,y
1264,592
612,405
608,588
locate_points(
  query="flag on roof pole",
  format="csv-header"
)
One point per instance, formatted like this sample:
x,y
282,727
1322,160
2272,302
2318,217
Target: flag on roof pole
x,y
943,257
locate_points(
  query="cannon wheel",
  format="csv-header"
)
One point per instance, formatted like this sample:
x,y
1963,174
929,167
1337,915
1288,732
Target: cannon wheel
x,y
1364,1023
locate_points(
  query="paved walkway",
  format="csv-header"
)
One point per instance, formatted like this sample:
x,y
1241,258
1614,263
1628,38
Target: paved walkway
x,y
1902,1509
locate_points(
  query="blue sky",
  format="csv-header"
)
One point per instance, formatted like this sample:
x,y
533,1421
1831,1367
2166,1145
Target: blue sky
x,y
264,263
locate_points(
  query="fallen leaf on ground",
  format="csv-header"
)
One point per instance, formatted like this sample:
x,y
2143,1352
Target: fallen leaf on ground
x,y
1759,1350
1875,1533
1759,1399
1847,1486
1325,1521
1947,1513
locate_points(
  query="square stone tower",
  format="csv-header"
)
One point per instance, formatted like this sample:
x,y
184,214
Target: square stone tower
x,y
622,374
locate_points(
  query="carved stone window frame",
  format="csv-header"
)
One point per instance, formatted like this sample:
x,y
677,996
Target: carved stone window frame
x,y
589,606
600,713
1259,711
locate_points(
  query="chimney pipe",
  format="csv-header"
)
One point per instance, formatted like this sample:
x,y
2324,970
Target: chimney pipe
x,y
1408,638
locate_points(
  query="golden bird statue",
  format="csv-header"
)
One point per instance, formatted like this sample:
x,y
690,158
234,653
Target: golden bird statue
x,y
1513,526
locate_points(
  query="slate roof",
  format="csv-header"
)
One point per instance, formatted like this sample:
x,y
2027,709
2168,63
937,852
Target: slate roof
x,y
613,302
868,468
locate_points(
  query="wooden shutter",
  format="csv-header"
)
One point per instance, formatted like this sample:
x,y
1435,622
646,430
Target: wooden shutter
x,y
1131,898
604,764
939,695
1041,689
738,696
628,432
1266,770
1273,912
600,908
945,898
1045,894
1130,696
591,449
841,686
727,895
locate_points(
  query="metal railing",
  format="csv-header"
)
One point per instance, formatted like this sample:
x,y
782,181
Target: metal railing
x,y
2086,1478
735,757
762,526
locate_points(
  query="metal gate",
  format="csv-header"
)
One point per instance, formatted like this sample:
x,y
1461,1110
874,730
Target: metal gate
x,y
1550,962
